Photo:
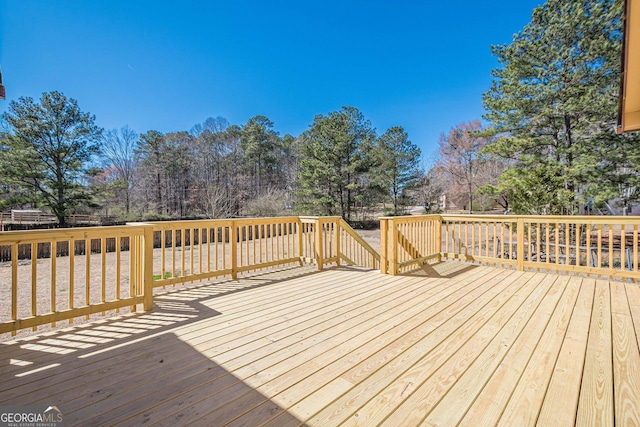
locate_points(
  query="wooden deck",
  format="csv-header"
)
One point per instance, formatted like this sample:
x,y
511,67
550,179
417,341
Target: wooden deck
x,y
455,344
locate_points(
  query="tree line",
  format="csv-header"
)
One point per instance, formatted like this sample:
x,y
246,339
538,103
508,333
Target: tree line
x,y
54,156
547,146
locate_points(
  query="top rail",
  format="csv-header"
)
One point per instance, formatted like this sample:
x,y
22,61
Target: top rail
x,y
354,250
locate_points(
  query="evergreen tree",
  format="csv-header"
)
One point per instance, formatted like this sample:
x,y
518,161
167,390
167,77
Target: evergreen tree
x,y
151,157
398,165
47,151
261,146
335,154
553,101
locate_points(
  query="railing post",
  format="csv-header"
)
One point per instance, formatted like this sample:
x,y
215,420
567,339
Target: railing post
x,y
147,266
319,245
384,231
300,226
520,244
393,254
14,283
438,235
336,229
141,254
233,243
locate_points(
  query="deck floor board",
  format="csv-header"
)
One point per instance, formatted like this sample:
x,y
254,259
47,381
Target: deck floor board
x,y
453,344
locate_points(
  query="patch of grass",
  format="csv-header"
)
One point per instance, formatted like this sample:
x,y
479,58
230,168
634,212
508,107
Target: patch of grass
x,y
159,276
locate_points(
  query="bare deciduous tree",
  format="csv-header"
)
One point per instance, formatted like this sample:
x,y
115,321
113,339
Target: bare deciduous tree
x,y
118,148
460,156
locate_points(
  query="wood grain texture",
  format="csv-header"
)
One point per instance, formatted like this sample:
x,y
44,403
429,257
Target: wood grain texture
x,y
345,346
626,357
596,393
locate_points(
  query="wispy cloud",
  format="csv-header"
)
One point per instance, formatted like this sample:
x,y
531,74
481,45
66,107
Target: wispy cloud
x,y
131,68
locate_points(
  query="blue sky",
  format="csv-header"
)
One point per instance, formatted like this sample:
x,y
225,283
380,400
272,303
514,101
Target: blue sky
x,y
167,65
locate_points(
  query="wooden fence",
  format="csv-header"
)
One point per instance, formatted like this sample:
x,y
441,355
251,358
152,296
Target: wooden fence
x,y
36,217
125,263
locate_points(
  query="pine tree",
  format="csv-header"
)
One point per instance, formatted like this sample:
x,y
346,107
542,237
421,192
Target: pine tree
x,y
47,152
335,155
398,166
553,101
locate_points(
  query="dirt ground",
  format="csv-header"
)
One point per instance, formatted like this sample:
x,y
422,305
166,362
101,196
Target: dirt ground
x,y
372,237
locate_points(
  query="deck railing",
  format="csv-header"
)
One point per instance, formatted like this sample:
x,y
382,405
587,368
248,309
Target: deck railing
x,y
88,271
73,281
55,275
406,242
328,240
604,246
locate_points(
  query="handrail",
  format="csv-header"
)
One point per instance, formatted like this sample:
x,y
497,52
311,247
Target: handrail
x,y
334,241
203,249
95,269
417,236
347,251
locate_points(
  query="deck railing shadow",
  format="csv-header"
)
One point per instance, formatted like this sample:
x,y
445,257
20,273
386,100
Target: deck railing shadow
x,y
225,287
120,382
173,308
144,354
446,270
